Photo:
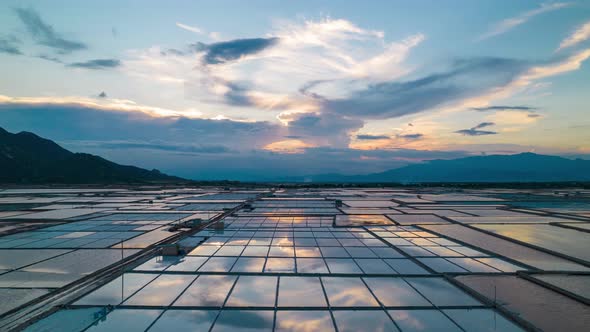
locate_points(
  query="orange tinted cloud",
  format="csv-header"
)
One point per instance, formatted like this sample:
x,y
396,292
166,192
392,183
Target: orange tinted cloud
x,y
290,146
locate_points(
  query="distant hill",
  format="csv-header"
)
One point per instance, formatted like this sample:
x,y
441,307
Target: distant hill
x,y
523,167
27,158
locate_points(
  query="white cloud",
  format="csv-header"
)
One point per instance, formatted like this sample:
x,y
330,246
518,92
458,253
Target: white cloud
x,y
571,63
335,51
581,34
526,80
512,22
343,55
386,65
190,28
111,104
290,146
340,55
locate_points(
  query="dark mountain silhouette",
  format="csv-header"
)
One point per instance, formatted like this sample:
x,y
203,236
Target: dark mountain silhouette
x,y
28,158
523,167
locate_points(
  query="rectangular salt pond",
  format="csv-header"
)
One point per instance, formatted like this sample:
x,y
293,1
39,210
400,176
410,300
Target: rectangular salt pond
x,y
506,248
300,292
162,291
118,290
251,291
207,291
563,240
575,284
530,302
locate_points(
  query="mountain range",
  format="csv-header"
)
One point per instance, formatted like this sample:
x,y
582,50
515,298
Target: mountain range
x,y
522,167
26,158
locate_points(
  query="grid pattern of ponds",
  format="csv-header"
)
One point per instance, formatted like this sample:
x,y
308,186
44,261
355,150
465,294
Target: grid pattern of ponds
x,y
293,303
99,232
206,206
279,211
381,260
302,278
293,204
473,319
278,222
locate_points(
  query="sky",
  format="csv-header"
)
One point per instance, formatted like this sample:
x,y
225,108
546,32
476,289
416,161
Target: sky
x,y
256,90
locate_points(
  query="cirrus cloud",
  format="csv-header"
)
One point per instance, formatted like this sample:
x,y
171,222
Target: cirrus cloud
x,y
368,137
503,108
512,22
475,131
340,76
581,34
44,34
97,64
9,45
221,52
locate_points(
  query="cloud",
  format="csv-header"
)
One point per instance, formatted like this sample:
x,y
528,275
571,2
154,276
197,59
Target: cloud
x,y
197,148
175,52
385,65
218,53
371,137
380,142
340,76
474,131
251,72
86,121
503,108
155,145
97,64
49,58
570,63
321,129
511,23
8,45
290,146
326,61
236,94
194,29
525,80
466,78
483,125
468,82
44,34
333,50
189,28
107,105
411,136
581,34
